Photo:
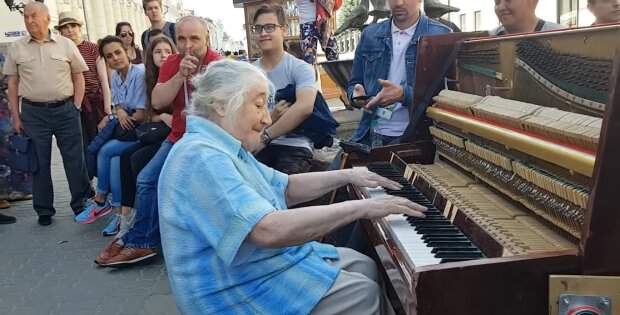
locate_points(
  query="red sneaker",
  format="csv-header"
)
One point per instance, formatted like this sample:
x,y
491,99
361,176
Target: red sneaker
x,y
129,256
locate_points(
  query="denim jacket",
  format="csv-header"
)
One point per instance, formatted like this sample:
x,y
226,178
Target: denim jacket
x,y
372,62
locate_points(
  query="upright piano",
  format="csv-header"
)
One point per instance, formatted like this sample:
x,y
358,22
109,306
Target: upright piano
x,y
518,161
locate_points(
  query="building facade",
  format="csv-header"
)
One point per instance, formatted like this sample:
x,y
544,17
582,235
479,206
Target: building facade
x,y
100,17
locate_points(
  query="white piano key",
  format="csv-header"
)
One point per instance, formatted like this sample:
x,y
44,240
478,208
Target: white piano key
x,y
406,234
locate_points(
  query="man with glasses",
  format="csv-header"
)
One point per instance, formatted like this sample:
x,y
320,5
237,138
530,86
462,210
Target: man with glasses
x,y
282,150
173,88
605,11
46,73
154,11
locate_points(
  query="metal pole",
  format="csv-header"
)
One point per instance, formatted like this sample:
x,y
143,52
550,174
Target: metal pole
x,y
85,19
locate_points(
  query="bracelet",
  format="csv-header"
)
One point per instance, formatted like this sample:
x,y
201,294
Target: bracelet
x,y
265,138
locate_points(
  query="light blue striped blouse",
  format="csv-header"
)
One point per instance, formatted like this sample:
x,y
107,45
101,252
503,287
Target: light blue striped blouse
x,y
211,195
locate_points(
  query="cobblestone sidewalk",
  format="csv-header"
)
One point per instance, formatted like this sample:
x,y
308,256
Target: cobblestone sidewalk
x,y
50,270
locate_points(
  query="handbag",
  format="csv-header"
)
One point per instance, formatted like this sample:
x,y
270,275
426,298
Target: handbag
x,y
153,132
22,154
121,134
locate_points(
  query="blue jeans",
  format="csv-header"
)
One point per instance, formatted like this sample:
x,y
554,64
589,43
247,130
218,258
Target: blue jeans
x,y
109,169
145,231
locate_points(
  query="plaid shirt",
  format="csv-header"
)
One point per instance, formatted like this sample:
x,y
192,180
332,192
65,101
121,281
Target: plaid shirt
x,y
212,194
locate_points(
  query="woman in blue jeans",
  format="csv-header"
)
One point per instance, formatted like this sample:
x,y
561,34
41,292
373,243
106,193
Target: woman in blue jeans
x,y
129,97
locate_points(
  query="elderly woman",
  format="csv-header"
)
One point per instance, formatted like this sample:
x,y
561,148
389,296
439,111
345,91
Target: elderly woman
x,y
230,242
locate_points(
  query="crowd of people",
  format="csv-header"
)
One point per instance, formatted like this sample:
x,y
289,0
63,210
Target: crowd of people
x,y
193,153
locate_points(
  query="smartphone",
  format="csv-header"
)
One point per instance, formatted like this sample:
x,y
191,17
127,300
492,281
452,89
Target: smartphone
x,y
361,98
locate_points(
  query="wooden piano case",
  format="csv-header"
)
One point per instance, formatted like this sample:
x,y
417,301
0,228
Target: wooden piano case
x,y
516,284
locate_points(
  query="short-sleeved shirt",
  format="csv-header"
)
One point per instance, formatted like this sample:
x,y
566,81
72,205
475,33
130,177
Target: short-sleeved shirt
x,y
212,193
540,27
131,93
307,11
167,71
291,70
90,53
44,69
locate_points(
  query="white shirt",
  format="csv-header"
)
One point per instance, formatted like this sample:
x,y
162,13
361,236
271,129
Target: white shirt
x,y
306,10
396,125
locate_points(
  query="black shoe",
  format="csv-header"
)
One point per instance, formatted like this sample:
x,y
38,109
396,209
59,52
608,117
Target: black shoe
x,y
45,220
5,219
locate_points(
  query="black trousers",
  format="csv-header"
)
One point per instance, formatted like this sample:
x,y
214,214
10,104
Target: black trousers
x,y
286,159
133,160
63,123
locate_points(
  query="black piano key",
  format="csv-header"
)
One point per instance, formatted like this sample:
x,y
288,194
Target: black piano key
x,y
448,244
439,233
453,238
449,260
440,250
432,224
461,255
439,230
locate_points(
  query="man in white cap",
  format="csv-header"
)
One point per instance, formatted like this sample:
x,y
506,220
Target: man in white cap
x,y
97,98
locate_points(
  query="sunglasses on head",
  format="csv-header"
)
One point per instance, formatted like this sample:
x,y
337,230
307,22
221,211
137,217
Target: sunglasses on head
x,y
269,28
125,34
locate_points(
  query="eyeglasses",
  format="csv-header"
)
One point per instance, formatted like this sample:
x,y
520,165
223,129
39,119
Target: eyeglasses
x,y
269,28
125,34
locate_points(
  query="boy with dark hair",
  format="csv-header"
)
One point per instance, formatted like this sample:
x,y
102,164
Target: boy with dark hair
x,y
155,34
605,11
284,151
154,11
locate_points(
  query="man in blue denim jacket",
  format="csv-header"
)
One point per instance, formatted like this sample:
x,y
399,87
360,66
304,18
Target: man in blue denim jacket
x,y
384,70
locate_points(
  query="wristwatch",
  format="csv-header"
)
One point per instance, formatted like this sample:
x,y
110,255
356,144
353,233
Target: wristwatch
x,y
264,137
111,117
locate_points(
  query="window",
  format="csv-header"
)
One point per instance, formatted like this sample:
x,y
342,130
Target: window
x,y
462,21
477,21
568,11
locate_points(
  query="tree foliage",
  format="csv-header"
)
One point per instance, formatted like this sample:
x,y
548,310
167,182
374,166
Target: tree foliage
x,y
345,10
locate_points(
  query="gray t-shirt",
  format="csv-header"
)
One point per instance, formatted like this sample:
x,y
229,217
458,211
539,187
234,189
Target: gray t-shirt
x,y
542,26
291,70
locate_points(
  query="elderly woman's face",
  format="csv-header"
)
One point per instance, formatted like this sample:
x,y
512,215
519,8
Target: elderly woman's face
x,y
252,117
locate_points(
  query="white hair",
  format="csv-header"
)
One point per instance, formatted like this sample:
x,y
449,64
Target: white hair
x,y
226,83
39,5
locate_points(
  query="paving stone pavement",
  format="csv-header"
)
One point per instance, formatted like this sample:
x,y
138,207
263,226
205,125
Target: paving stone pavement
x,y
50,270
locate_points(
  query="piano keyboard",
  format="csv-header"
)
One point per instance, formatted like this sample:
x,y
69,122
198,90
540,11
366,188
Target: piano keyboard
x,y
429,241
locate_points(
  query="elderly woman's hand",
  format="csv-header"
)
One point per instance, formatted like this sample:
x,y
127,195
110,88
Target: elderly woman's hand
x,y
365,178
377,208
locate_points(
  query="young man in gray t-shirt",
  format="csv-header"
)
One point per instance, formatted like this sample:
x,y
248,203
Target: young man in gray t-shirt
x,y
284,151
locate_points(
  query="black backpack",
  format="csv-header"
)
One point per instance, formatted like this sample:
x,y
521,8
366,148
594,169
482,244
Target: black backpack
x,y
171,29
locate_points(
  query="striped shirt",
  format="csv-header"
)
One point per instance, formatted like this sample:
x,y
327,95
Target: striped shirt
x,y
90,53
211,195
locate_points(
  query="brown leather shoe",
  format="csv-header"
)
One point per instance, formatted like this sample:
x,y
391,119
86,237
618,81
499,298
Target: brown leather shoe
x,y
112,250
129,256
4,204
